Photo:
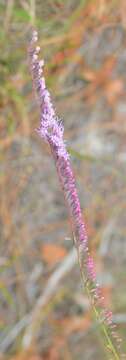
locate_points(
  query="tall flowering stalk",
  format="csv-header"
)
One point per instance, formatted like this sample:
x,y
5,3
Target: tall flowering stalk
x,y
51,130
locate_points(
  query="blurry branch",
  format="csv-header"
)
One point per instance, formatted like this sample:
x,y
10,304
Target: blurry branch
x,y
65,266
36,315
25,321
13,334
32,11
9,9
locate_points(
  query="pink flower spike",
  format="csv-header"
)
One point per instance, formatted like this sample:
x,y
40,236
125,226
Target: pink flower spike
x,y
51,130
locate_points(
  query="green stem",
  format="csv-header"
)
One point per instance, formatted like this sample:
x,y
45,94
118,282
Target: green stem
x,y
110,344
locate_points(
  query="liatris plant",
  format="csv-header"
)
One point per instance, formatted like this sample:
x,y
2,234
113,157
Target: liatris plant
x,y
51,130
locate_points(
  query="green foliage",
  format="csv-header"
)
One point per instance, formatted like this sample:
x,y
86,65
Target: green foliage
x,y
19,14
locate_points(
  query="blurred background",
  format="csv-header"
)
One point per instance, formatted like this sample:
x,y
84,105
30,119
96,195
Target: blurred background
x,y
44,312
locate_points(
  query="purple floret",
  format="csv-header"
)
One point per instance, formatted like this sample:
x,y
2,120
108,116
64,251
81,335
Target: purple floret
x,y
51,128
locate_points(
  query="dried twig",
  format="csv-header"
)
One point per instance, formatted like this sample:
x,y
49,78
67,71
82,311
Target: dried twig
x,y
13,334
30,320
65,266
